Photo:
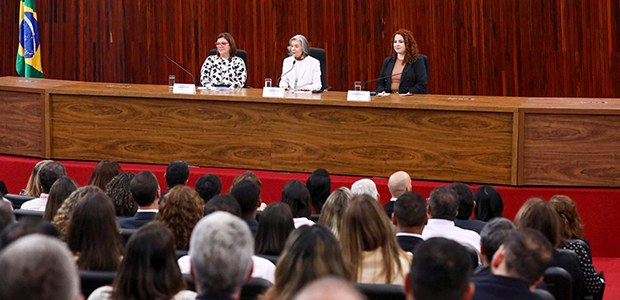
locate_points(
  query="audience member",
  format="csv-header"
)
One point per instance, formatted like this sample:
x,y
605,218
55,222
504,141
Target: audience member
x,y
440,271
7,216
409,216
247,176
247,195
144,190
571,235
296,195
177,173
33,187
331,215
369,244
443,205
38,267
16,230
93,235
365,186
537,214
118,189
48,174
466,207
149,269
311,252
517,266
319,186
220,251
181,209
329,288
208,186
276,223
60,190
61,219
103,173
492,236
398,183
225,203
489,203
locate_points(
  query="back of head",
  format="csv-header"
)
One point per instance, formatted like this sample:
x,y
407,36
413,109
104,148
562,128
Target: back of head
x,y
334,207
247,176
225,203
149,269
119,190
221,250
208,186
329,288
143,188
61,189
493,235
296,195
311,252
443,203
319,186
410,210
177,173
527,254
466,200
365,186
33,187
440,270
398,183
567,210
489,203
247,195
276,223
537,214
104,172
49,173
38,267
180,210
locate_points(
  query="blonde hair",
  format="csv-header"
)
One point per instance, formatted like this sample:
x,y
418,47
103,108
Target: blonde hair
x,y
336,203
567,210
33,187
63,216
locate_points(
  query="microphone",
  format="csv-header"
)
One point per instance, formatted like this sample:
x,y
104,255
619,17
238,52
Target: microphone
x,y
176,64
380,78
291,69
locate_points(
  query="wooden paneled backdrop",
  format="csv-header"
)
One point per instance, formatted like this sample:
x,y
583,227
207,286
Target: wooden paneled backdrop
x,y
478,47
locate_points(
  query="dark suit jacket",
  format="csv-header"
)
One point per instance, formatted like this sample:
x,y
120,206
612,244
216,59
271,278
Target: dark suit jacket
x,y
475,225
414,79
139,219
501,287
389,208
408,243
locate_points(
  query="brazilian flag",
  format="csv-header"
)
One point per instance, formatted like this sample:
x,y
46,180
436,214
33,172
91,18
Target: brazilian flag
x,y
28,63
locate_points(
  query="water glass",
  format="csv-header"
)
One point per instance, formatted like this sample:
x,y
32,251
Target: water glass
x,y
171,80
267,82
357,85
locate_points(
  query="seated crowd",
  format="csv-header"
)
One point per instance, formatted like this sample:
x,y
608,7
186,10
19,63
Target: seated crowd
x,y
453,245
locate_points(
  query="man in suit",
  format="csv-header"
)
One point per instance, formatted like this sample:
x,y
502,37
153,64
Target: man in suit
x,y
248,196
409,217
145,190
398,183
491,237
466,207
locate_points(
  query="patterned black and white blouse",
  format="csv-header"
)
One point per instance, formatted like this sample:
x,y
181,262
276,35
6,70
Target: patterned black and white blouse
x,y
223,71
593,279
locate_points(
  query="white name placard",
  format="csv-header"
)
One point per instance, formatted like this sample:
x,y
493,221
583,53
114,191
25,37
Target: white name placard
x,y
273,92
363,96
184,88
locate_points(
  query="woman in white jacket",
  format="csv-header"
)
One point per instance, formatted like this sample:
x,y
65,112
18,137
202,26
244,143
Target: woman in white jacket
x,y
300,70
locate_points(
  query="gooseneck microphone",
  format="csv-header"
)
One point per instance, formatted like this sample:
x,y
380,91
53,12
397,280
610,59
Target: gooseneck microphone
x,y
291,69
380,78
176,64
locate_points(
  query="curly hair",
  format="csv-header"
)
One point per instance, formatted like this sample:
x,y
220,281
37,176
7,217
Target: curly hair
x,y
411,45
62,217
180,210
567,210
118,190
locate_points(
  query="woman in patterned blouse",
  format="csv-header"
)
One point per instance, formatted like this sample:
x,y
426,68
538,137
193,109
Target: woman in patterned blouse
x,y
224,68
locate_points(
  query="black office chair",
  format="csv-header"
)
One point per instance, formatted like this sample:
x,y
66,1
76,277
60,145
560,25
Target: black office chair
x,y
426,64
181,253
126,234
319,54
22,214
17,200
241,53
315,217
91,280
381,291
559,283
254,288
543,294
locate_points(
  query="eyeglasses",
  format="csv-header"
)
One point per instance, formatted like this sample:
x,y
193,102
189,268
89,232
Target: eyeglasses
x,y
220,43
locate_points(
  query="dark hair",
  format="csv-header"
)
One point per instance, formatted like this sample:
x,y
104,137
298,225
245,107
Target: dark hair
x,y
410,209
247,195
527,254
177,173
538,214
49,173
16,230
149,269
118,189
296,195
93,233
319,186
104,172
3,189
466,200
411,45
143,188
443,203
60,190
231,41
276,223
225,203
208,186
489,203
6,214
440,270
247,176
493,235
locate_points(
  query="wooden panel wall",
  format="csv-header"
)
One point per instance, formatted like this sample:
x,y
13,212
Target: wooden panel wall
x,y
478,47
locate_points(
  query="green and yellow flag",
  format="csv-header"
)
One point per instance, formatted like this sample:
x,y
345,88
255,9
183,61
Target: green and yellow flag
x,y
28,63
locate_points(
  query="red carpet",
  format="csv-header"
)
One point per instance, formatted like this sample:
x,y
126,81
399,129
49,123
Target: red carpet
x,y
598,207
611,267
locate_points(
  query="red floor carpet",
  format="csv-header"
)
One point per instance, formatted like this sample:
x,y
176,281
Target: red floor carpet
x,y
611,267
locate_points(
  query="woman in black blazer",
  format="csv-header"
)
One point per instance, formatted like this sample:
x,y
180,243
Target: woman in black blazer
x,y
404,71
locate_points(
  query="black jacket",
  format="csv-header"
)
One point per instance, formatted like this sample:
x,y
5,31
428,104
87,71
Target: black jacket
x,y
413,80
